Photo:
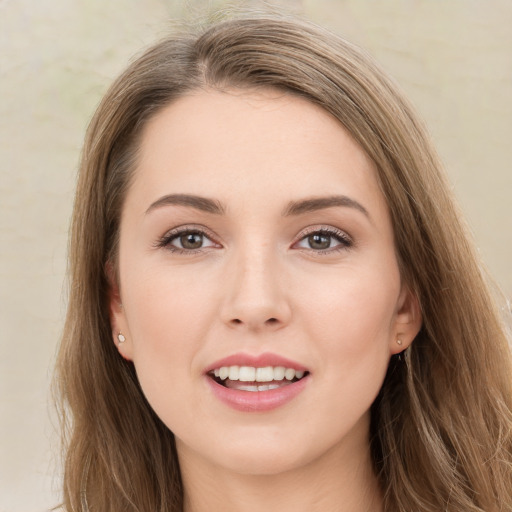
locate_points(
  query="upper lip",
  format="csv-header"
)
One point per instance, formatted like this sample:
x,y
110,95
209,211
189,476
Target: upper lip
x,y
259,361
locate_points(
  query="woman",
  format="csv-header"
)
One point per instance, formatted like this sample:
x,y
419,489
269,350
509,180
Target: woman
x,y
273,302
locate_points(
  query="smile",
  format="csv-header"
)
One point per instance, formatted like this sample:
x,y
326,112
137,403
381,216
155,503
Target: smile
x,y
254,379
256,383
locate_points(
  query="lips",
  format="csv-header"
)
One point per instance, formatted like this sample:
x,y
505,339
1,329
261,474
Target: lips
x,y
260,383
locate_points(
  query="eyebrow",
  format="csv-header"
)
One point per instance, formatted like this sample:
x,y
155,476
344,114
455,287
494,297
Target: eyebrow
x,y
293,208
203,204
321,203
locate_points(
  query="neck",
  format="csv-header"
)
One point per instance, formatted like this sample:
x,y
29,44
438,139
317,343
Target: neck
x,y
337,482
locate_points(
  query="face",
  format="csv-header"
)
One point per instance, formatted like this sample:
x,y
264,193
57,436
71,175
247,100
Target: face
x,y
261,297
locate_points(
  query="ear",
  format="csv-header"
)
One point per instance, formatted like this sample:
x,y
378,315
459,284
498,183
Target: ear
x,y
119,326
408,321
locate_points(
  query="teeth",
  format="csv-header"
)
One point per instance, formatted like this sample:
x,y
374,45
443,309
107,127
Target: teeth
x,y
289,374
248,388
253,388
234,372
265,374
251,374
247,374
279,372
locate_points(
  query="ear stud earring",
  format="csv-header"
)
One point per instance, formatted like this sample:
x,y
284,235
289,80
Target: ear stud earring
x,y
399,342
121,338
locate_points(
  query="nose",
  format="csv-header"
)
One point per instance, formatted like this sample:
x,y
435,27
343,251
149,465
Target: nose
x,y
255,295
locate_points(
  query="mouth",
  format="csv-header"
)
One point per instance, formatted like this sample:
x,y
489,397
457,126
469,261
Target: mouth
x,y
256,379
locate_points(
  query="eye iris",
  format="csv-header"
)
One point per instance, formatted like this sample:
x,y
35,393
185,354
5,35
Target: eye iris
x,y
319,241
191,240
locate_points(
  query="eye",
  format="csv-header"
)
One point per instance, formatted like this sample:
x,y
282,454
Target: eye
x,y
325,240
186,240
191,240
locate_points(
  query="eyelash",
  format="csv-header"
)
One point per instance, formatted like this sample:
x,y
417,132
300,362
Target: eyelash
x,y
345,242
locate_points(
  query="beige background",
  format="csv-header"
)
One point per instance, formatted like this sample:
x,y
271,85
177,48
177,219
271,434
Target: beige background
x,y
452,57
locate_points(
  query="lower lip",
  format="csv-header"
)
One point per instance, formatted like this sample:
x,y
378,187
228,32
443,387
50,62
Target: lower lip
x,y
257,401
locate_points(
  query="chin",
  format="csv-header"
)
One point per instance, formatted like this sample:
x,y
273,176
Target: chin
x,y
260,451
262,461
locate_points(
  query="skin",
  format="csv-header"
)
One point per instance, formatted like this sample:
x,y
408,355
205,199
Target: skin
x,y
257,285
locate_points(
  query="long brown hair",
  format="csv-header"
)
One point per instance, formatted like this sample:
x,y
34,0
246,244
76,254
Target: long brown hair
x,y
441,426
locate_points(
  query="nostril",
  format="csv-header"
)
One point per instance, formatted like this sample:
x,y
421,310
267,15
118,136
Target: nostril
x,y
270,322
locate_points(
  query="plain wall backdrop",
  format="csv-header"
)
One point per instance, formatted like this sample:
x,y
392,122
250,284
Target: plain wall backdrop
x,y
453,58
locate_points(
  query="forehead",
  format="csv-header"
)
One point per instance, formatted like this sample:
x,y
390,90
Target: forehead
x,y
251,144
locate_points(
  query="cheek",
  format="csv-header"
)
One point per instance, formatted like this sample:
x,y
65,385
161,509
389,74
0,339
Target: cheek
x,y
162,304
351,311
352,320
168,315
167,319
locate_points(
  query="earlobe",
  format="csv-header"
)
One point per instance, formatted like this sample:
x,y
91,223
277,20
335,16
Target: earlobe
x,y
123,347
408,320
